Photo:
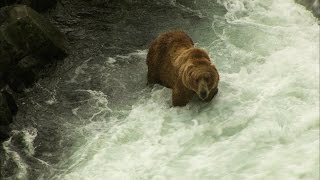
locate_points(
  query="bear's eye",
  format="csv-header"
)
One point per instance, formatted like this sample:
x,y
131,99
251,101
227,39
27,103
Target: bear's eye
x,y
197,80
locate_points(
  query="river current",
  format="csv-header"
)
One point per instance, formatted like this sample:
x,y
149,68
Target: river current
x,y
105,123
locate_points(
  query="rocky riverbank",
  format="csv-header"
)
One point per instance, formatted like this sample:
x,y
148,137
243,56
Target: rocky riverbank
x,y
29,44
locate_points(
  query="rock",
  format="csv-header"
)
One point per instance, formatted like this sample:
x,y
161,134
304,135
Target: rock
x,y
9,54
15,82
4,133
312,5
8,108
27,42
29,32
5,112
7,2
316,8
38,5
5,58
22,75
2,83
11,102
28,62
306,3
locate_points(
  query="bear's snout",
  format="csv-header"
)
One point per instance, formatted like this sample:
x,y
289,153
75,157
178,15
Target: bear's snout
x,y
203,90
203,95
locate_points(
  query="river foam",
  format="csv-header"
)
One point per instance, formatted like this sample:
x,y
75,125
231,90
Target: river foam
x,y
263,124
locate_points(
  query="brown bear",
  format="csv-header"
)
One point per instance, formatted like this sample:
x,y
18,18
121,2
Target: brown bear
x,y
174,62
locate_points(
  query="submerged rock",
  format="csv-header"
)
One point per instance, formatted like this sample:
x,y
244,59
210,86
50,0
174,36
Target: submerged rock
x,y
8,108
316,8
312,5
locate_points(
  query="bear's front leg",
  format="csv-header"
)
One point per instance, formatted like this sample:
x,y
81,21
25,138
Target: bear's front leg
x,y
212,94
181,95
151,78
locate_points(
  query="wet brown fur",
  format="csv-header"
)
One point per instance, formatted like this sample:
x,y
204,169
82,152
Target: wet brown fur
x,y
174,62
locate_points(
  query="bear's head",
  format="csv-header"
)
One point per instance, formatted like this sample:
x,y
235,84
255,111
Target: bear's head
x,y
200,75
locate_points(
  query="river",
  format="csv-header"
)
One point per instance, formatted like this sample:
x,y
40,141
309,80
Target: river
x,y
95,118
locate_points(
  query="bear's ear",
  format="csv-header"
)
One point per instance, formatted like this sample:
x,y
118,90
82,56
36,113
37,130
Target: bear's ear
x,y
216,71
214,67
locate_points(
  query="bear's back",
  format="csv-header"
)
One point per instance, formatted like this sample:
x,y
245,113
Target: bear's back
x,y
162,53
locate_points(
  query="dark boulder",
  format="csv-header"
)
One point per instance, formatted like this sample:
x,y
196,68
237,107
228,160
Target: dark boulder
x,y
27,43
7,2
29,32
4,133
5,112
11,102
312,5
22,75
9,54
8,108
2,83
38,5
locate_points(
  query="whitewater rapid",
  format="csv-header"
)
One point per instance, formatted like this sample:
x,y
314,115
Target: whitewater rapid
x,y
263,124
